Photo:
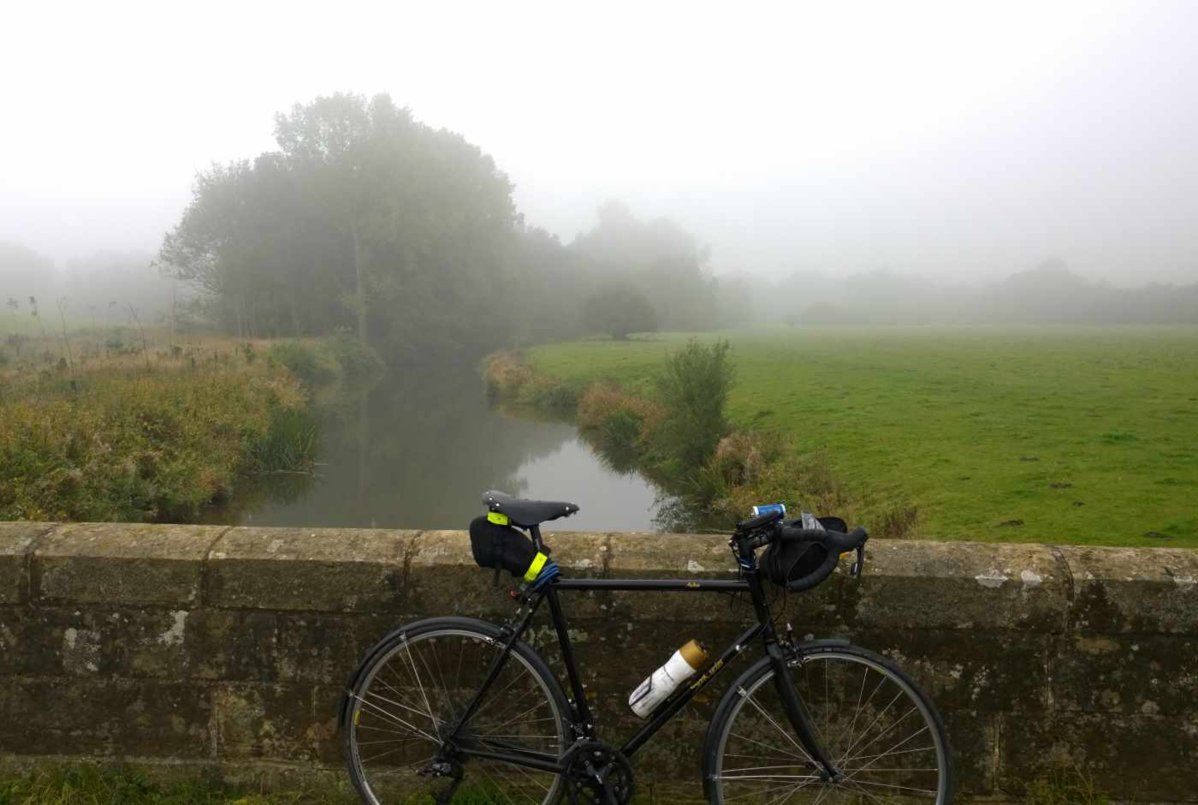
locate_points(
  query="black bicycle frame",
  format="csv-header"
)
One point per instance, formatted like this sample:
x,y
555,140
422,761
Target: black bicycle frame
x,y
581,718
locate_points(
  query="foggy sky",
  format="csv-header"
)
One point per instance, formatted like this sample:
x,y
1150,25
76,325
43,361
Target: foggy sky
x,y
952,140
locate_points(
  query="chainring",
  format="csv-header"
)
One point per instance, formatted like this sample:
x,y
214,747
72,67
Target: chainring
x,y
598,773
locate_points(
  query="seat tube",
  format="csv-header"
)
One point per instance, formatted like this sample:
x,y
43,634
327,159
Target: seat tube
x,y
563,638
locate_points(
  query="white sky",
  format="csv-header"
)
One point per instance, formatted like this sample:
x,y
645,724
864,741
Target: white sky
x,y
949,139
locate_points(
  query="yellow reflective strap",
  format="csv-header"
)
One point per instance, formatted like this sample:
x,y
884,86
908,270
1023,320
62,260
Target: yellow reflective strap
x,y
499,518
534,569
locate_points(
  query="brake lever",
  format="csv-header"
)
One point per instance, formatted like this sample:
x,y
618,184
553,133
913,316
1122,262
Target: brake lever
x,y
858,563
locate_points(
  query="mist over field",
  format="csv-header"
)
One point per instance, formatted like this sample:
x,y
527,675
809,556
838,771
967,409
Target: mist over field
x,y
833,158
348,218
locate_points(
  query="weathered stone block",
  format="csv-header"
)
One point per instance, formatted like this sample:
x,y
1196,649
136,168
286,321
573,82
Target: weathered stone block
x,y
988,672
974,738
121,563
265,721
1124,758
16,544
1134,589
235,645
963,585
337,570
1128,674
324,731
103,641
14,639
63,715
443,578
316,648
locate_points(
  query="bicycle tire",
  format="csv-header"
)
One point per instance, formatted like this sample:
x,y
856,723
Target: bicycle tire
x,y
862,783
412,646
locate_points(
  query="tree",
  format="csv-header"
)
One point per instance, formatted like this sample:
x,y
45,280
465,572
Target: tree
x,y
658,257
619,310
364,218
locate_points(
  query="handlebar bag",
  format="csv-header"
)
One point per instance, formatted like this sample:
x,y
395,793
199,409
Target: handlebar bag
x,y
499,546
786,562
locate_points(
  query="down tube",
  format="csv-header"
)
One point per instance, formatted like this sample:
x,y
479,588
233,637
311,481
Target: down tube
x,y
678,702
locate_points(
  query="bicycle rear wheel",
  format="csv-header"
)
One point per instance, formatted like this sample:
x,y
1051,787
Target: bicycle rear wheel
x,y
411,690
872,722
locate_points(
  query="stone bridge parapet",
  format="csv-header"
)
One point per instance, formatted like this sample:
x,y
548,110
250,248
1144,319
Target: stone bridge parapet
x,y
227,649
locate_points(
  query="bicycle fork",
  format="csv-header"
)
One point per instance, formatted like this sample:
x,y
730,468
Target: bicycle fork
x,y
796,712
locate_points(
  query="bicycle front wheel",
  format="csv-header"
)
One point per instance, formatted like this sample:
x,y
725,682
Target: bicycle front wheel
x,y
411,691
872,722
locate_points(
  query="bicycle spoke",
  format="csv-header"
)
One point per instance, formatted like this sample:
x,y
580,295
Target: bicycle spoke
x,y
900,787
887,752
787,735
869,794
886,731
395,718
768,746
865,731
416,673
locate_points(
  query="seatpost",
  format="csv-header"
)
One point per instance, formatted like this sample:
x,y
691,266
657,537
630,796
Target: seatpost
x,y
535,533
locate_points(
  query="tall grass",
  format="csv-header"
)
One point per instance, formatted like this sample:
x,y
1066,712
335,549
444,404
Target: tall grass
x,y
115,441
290,443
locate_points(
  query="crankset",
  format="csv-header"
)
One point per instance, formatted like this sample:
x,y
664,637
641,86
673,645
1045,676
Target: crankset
x,y
598,773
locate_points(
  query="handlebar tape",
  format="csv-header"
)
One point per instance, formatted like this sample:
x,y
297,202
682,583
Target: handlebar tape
x,y
833,541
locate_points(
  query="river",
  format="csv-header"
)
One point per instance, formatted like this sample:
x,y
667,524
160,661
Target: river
x,y
419,449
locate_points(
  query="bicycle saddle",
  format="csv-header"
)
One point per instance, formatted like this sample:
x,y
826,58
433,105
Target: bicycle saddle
x,y
527,513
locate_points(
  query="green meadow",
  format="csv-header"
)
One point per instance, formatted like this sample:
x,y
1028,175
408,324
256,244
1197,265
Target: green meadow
x,y
1056,434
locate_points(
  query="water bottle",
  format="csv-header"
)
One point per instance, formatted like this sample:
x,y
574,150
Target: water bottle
x,y
666,679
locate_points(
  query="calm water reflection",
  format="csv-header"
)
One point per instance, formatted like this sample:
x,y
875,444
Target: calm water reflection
x,y
418,450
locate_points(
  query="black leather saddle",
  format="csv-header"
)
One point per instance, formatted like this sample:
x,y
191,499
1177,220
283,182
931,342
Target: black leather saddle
x,y
527,513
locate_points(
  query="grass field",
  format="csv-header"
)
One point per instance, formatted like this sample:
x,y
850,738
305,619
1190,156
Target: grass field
x,y
1058,434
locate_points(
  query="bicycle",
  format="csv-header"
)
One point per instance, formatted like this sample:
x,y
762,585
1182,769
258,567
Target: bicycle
x,y
455,706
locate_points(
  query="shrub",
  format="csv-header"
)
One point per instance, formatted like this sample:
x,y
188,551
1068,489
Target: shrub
x,y
506,373
728,485
739,458
357,361
619,310
555,397
301,362
599,401
693,390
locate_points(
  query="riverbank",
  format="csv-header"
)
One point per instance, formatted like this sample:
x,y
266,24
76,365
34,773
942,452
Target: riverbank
x,y
672,433
1015,434
107,427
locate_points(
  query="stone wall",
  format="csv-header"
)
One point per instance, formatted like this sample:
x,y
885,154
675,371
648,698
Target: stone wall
x,y
228,647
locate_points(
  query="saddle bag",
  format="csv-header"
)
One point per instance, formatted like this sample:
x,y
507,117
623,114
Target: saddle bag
x,y
499,546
